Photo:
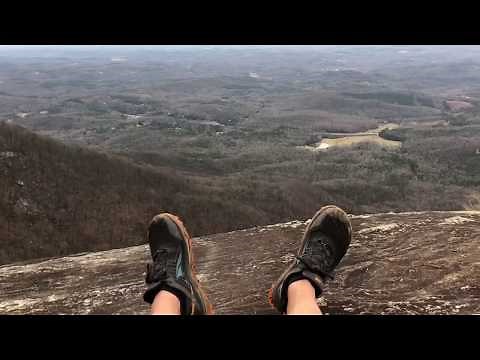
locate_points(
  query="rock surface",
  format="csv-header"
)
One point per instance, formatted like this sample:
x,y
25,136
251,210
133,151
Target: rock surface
x,y
408,263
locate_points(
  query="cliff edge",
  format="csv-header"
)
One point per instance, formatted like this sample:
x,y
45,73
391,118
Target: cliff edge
x,y
398,263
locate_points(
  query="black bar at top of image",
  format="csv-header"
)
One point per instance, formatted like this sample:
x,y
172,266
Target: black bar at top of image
x,y
241,23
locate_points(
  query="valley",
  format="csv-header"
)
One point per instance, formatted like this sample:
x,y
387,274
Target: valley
x,y
228,138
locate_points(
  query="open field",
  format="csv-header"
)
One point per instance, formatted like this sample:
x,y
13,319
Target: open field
x,y
370,136
353,140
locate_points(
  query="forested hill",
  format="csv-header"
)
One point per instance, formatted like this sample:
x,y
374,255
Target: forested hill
x,y
57,199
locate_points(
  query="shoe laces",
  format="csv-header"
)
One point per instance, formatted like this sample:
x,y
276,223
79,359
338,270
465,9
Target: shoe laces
x,y
318,259
157,271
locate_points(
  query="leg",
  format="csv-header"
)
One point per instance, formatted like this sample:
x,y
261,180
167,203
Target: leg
x,y
325,242
172,287
301,299
165,303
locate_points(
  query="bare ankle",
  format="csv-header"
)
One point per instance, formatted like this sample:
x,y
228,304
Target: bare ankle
x,y
301,298
166,303
303,285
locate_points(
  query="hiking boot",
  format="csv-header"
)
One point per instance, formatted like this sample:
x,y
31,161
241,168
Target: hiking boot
x,y
324,244
173,265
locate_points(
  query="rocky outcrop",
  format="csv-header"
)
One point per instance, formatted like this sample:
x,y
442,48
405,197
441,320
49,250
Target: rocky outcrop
x,y
408,263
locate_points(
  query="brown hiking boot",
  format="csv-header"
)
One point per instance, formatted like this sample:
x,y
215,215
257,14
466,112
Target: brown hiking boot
x,y
324,244
173,265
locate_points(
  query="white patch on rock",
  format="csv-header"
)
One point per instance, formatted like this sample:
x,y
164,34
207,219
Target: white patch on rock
x,y
55,297
7,154
287,258
455,220
291,224
18,304
381,228
266,262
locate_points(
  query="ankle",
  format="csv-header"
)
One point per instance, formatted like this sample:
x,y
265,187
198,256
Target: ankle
x,y
302,287
166,302
301,298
